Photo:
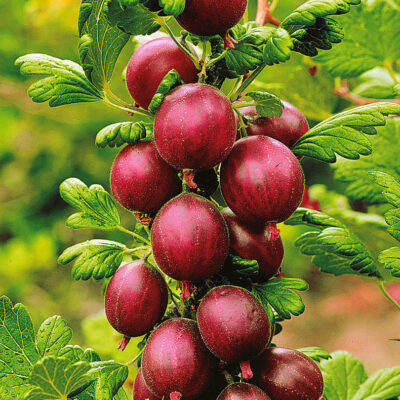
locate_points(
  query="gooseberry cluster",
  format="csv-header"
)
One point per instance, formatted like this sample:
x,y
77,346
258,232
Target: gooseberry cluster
x,y
223,331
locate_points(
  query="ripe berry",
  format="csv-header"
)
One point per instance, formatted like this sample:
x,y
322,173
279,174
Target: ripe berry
x,y
242,391
195,127
190,238
287,128
134,291
140,389
141,180
288,375
233,325
176,362
252,242
261,180
150,63
210,17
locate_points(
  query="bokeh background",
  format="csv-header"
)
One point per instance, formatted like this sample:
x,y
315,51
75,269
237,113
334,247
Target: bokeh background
x,y
40,147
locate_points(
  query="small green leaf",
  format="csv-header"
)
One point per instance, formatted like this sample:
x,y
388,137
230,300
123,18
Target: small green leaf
x,y
345,133
382,385
243,58
169,82
52,336
18,351
109,377
76,353
343,374
172,7
96,259
278,46
280,295
315,353
391,260
98,209
335,249
268,104
65,81
116,135
58,378
102,43
133,19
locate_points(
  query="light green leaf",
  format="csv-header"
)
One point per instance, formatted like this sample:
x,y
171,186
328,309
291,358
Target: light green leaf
x,y
64,82
52,336
98,209
268,104
391,260
116,135
345,133
343,374
101,51
315,353
76,353
96,259
280,295
368,43
243,58
278,47
360,184
382,385
133,19
57,378
172,7
18,351
335,249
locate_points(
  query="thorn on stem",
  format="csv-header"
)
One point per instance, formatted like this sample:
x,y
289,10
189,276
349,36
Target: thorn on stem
x,y
229,41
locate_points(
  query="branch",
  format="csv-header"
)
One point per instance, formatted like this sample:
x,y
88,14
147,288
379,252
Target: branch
x,y
264,15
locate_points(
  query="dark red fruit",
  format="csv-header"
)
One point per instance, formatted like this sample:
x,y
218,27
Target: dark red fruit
x,y
262,180
242,391
150,63
133,292
233,324
288,375
141,180
252,242
288,128
176,362
140,389
195,127
190,238
210,17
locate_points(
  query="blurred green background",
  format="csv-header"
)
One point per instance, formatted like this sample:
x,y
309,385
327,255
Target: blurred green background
x,y
40,147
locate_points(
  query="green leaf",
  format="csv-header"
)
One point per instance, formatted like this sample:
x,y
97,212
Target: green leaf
x,y
76,353
343,374
57,378
371,32
280,295
133,19
315,353
278,46
109,377
98,209
335,249
243,58
391,192
102,43
52,336
391,260
96,259
64,81
268,104
172,7
116,135
169,82
345,133
382,385
360,184
18,351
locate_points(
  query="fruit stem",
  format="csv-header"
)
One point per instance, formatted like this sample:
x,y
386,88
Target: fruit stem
x,y
242,105
228,377
216,59
134,234
242,126
248,81
134,359
389,67
108,90
128,110
381,285
186,51
247,373
129,251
